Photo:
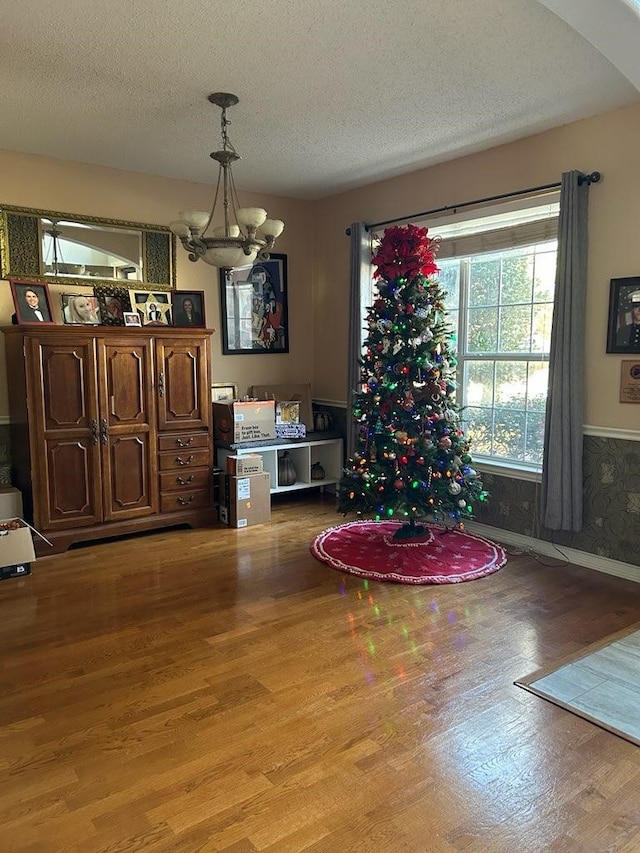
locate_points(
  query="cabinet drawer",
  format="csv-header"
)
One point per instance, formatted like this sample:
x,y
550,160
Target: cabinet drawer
x,y
189,499
182,440
182,459
198,478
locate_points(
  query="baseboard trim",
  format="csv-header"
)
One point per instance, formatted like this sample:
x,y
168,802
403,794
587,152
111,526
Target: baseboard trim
x,y
627,571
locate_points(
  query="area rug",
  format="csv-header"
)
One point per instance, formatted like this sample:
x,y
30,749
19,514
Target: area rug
x,y
601,684
367,549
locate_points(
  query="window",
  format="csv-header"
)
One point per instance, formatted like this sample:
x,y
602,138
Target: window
x,y
498,270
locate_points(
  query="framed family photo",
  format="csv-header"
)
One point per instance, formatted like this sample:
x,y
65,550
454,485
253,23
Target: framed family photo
x,y
222,392
31,301
254,308
623,331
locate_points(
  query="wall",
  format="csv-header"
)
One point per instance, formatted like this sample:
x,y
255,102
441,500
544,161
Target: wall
x,y
50,184
607,143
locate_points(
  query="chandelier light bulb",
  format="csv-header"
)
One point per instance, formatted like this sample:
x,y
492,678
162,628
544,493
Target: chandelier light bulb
x,y
236,243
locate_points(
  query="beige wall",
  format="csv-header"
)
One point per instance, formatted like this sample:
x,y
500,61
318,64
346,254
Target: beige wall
x,y
48,184
318,250
608,143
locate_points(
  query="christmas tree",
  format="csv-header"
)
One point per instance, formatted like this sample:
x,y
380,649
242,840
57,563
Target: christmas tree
x,y
412,461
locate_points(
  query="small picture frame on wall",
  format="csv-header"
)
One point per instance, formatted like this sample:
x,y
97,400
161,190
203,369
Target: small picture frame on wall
x,y
153,308
80,309
31,302
623,332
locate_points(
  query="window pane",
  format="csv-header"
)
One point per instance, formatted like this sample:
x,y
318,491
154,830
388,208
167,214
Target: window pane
x,y
515,328
534,442
517,278
478,427
545,275
478,383
541,338
511,384
509,433
482,333
538,384
449,278
484,281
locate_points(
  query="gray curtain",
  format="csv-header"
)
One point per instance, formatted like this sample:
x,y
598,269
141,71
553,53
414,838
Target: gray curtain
x,y
359,286
561,495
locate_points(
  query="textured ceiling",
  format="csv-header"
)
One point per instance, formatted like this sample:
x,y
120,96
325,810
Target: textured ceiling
x,y
333,93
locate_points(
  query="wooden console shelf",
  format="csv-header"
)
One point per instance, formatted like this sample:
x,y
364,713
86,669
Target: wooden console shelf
x,y
303,453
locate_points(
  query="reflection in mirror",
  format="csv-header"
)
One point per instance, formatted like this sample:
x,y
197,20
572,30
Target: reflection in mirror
x,y
90,251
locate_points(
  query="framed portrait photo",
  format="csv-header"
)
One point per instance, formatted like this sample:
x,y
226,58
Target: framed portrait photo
x,y
188,308
114,302
623,331
80,309
153,308
31,301
254,308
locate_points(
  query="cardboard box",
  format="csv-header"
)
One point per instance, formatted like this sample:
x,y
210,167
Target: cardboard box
x,y
235,422
243,466
300,392
246,501
291,431
10,502
16,548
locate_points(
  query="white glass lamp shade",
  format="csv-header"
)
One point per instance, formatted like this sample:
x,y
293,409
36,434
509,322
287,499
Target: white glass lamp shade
x,y
195,219
224,258
234,231
272,228
180,228
251,217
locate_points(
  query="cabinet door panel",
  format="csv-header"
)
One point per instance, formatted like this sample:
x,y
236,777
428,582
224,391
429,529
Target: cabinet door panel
x,y
71,499
127,431
61,386
183,392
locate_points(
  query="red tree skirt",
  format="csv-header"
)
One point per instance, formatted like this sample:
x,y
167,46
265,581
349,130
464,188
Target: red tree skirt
x,y
367,549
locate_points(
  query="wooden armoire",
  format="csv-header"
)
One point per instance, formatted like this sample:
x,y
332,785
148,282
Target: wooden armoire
x,y
110,429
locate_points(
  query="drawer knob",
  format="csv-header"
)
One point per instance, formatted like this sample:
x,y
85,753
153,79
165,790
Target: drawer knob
x,y
185,482
185,501
182,443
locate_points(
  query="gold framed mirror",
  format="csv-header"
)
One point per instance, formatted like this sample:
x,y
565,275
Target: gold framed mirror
x,y
62,248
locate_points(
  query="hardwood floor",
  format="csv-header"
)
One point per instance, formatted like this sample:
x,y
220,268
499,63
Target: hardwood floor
x,y
223,690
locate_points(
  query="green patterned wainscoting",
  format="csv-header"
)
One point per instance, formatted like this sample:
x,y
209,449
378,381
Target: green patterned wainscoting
x,y
611,503
5,455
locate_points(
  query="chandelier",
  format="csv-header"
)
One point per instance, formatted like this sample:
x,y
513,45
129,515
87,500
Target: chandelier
x,y
236,243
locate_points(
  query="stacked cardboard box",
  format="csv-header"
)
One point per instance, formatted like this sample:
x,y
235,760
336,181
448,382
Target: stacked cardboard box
x,y
245,499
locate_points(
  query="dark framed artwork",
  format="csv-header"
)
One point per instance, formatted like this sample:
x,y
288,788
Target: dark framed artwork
x,y
254,308
154,308
31,301
623,332
114,303
188,308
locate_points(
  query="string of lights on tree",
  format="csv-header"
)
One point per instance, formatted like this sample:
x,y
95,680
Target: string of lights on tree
x,y
412,461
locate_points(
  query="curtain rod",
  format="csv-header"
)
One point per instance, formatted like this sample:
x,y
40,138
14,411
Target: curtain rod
x,y
591,178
